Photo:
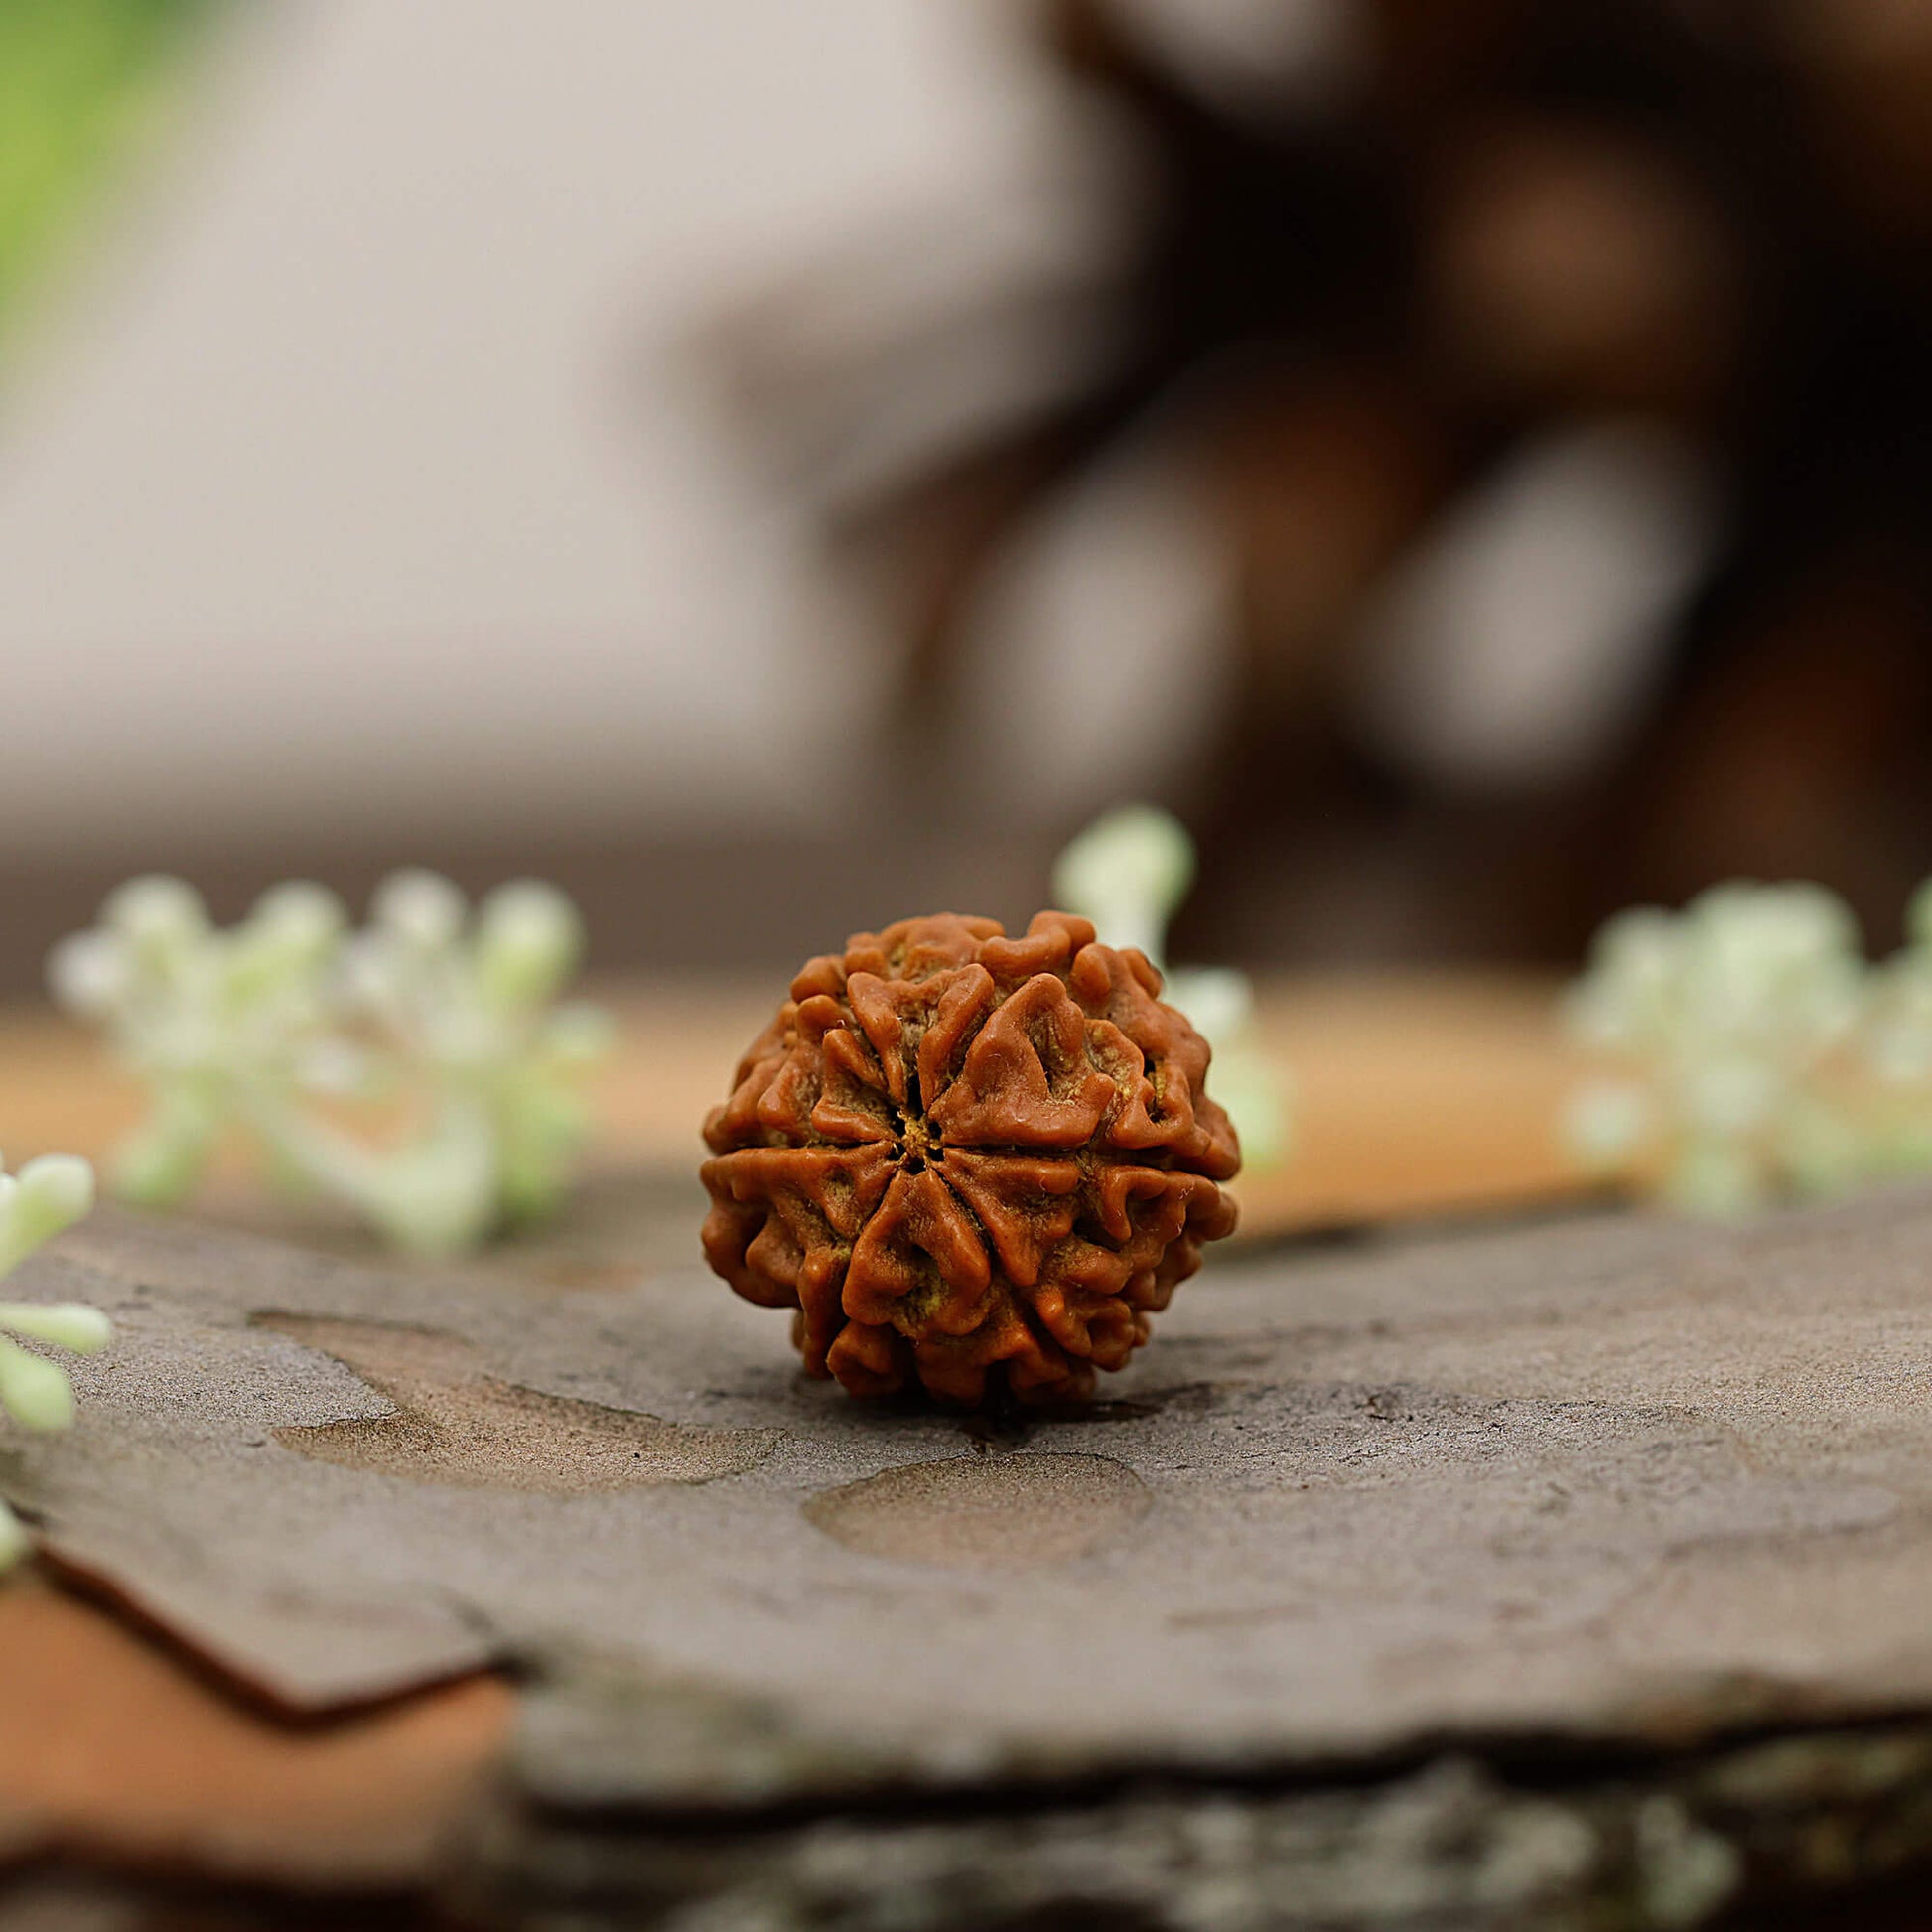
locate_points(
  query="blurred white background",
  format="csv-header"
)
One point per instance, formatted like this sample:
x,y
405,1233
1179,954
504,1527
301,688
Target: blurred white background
x,y
354,477
424,446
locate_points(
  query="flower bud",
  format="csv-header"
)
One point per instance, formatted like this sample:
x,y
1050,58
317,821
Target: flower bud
x,y
33,1391
89,973
55,1190
156,913
298,919
1128,873
422,908
71,1325
529,940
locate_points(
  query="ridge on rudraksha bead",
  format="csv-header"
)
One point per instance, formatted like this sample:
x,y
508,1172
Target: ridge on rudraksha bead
x,y
970,1162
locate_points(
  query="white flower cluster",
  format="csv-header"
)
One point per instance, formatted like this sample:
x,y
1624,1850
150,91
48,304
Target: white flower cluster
x,y
445,1016
1756,1055
44,1197
1129,873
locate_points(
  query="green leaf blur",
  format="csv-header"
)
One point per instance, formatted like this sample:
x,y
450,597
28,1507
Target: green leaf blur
x,y
77,79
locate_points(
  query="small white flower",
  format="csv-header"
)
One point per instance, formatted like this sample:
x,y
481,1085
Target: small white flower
x,y
420,909
529,940
450,1019
1729,1024
90,972
1129,873
47,1196
33,1391
77,1326
293,927
156,913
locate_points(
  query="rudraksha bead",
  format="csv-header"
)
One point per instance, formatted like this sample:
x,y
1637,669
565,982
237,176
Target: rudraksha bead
x,y
970,1162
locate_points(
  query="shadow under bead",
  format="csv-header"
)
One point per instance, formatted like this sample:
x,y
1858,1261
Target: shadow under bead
x,y
972,1164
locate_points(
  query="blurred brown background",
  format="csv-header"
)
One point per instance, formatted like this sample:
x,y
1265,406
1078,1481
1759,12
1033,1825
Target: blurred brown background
x,y
776,469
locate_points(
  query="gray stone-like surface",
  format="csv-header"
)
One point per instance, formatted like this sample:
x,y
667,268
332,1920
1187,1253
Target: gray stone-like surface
x,y
1452,1846
1617,1479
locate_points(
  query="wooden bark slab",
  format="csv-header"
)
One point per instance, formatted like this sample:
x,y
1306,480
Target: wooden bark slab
x,y
1619,1487
113,1753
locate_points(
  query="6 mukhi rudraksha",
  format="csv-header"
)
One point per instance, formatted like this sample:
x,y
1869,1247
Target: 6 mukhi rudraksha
x,y
970,1162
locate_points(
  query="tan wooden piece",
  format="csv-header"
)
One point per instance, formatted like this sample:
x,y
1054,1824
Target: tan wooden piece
x,y
114,1750
1414,1093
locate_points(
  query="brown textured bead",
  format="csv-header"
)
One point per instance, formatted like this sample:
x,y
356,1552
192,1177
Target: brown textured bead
x,y
969,1162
